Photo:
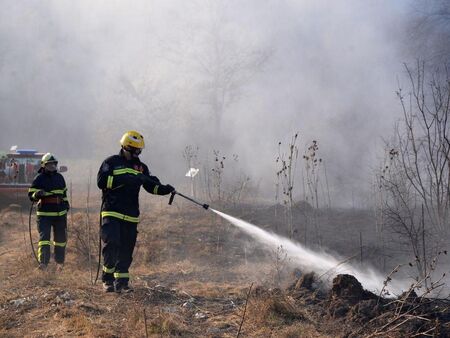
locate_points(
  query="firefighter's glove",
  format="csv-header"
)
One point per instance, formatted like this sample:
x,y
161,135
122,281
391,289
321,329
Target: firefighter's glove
x,y
39,194
165,189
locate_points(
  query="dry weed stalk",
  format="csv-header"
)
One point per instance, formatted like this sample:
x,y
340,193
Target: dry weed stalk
x,y
312,167
286,170
145,324
384,291
238,183
245,310
217,175
279,260
78,233
410,307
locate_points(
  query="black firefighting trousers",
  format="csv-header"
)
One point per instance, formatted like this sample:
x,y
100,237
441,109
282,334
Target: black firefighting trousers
x,y
59,224
119,238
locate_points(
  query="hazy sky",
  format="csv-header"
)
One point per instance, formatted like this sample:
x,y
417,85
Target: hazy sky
x,y
238,76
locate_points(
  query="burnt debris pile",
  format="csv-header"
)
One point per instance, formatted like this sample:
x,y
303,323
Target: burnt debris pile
x,y
347,310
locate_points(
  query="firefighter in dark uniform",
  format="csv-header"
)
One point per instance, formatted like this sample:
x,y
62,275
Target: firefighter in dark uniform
x,y
120,178
49,190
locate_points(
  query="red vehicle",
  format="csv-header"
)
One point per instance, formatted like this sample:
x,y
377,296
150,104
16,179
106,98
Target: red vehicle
x,y
17,170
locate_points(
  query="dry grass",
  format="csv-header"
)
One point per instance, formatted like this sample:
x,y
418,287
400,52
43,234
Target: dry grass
x,y
66,304
169,324
188,284
270,310
302,330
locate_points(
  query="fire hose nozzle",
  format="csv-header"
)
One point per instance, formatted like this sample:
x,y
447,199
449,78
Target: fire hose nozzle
x,y
172,196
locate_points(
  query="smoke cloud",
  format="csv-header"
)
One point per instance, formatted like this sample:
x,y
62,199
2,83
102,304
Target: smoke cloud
x,y
228,75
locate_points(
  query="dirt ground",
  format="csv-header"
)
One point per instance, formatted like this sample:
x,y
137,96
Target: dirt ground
x,y
192,277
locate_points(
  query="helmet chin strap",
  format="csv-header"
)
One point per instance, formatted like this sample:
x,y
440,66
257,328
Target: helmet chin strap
x,y
130,154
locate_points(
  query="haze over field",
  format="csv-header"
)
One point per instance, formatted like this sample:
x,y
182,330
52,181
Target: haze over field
x,y
229,75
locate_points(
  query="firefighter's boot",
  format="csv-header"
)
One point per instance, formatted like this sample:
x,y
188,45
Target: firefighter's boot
x,y
42,267
108,286
122,287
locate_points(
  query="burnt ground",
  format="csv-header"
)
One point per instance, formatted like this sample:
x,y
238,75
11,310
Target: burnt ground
x,y
192,277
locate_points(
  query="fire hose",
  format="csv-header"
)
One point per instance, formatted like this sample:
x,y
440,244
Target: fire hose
x,y
99,242
29,231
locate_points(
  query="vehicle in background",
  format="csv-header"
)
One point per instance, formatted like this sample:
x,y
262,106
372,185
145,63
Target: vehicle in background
x,y
18,167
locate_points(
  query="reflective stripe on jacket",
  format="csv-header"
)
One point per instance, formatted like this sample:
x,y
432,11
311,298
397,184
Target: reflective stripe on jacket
x,y
53,185
118,179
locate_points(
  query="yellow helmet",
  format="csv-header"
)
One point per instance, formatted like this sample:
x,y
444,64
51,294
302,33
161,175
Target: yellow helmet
x,y
132,139
48,158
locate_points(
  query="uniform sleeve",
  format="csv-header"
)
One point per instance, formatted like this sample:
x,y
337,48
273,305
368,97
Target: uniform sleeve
x,y
35,187
65,199
106,179
152,184
104,175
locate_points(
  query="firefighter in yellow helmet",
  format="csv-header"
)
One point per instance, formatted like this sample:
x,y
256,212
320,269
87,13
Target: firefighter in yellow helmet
x,y
49,190
120,178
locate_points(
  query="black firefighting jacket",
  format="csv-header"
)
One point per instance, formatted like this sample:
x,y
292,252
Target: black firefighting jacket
x,y
55,202
119,181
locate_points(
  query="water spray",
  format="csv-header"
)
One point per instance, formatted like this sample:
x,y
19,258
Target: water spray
x,y
322,263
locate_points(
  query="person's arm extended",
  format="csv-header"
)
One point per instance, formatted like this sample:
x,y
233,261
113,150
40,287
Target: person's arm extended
x,y
153,185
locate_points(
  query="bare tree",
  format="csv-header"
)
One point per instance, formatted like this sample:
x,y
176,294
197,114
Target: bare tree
x,y
220,64
144,96
414,181
226,70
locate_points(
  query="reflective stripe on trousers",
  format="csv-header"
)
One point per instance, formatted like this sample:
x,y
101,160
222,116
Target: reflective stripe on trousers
x,y
51,213
40,245
108,270
121,275
120,216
